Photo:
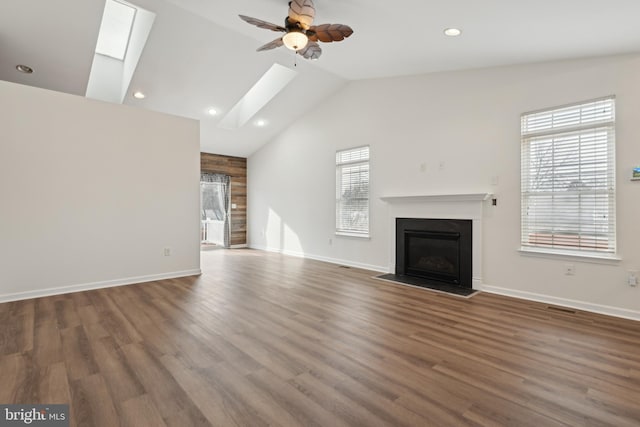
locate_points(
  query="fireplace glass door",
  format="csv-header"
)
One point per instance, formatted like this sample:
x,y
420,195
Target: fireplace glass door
x,y
433,255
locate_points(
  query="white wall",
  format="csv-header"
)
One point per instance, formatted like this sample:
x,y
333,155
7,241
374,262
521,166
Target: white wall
x,y
464,126
91,193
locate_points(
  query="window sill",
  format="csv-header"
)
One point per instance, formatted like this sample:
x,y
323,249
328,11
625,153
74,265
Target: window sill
x,y
592,257
356,235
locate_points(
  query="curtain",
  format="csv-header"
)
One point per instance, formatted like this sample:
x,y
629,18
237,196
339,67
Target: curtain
x,y
215,201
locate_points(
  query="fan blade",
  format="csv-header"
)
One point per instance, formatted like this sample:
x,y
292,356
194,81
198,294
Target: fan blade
x,y
262,24
328,33
302,12
271,45
310,51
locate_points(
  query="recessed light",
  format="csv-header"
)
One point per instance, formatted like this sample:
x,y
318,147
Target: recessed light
x,y
452,32
24,69
261,123
138,95
212,111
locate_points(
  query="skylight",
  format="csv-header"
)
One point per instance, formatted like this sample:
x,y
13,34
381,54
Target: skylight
x,y
122,37
115,30
269,85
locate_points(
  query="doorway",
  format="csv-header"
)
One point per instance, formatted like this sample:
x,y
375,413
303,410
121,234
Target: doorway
x,y
215,201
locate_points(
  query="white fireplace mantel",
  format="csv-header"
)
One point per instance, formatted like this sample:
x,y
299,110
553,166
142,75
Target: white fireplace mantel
x,y
441,206
467,197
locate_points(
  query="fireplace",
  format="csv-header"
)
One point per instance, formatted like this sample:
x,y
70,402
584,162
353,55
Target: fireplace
x,y
436,251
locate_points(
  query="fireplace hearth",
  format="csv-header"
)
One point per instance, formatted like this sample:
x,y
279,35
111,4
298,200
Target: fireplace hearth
x,y
434,253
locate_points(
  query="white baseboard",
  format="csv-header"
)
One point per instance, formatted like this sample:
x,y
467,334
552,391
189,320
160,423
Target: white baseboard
x,y
579,305
96,285
238,246
371,267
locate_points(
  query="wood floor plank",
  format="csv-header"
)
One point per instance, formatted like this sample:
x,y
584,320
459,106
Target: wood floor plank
x,y
291,401
112,318
12,369
337,403
119,375
54,384
223,349
192,417
261,339
92,322
217,403
17,320
251,405
140,412
92,404
158,382
78,353
66,313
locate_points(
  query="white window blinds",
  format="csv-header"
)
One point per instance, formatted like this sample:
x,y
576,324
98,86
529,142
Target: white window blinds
x,y
568,177
352,191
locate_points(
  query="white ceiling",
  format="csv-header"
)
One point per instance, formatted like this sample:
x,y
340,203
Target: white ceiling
x,y
201,55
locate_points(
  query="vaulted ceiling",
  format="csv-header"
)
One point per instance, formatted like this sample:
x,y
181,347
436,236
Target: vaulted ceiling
x,y
200,55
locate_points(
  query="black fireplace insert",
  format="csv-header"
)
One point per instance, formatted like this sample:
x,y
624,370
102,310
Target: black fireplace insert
x,y
435,250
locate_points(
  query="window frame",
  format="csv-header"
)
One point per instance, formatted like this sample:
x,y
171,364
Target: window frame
x,y
582,128
342,231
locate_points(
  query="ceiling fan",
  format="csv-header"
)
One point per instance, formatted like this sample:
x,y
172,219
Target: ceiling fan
x,y
300,35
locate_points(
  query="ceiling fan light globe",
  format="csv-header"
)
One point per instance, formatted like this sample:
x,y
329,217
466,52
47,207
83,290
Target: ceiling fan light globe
x,y
295,40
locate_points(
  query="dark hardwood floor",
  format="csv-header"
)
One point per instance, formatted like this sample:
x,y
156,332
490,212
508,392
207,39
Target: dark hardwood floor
x,y
263,339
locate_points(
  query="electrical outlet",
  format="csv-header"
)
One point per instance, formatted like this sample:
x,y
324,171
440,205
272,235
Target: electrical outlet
x,y
569,269
167,251
632,278
330,242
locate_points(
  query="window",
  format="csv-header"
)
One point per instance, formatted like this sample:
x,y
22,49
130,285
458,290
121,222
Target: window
x,y
115,30
568,178
352,192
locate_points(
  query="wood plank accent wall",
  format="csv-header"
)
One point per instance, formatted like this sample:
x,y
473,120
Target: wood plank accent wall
x,y
236,168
